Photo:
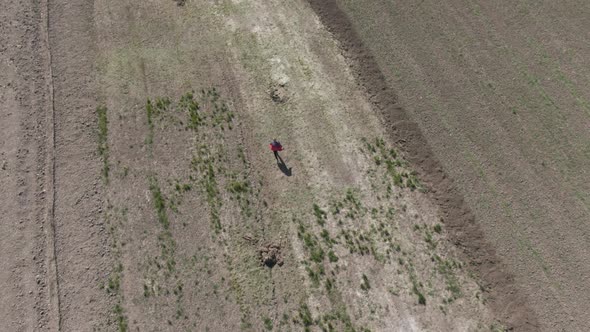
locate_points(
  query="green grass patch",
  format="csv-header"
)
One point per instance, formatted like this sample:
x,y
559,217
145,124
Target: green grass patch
x,y
268,323
121,319
103,147
437,228
320,214
159,203
238,187
305,315
332,257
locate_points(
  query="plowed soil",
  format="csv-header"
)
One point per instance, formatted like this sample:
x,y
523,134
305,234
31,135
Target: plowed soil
x,y
433,177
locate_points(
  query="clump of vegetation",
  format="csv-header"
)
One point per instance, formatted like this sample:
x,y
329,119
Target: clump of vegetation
x,y
268,323
332,257
121,319
320,214
159,203
238,187
365,285
203,163
394,165
446,268
191,106
114,283
416,290
437,228
103,147
305,315
162,104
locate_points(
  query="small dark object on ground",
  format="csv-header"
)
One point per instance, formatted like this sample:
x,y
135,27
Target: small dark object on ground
x,y
270,255
279,94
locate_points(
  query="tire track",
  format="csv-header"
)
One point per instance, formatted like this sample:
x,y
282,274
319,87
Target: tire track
x,y
53,281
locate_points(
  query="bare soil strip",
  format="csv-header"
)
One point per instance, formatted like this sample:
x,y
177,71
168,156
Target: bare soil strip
x,y
509,304
23,173
54,322
81,246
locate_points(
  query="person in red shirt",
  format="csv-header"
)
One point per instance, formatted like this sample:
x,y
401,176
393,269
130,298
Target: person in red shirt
x,y
275,147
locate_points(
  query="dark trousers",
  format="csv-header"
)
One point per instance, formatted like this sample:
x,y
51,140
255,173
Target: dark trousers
x,y
276,154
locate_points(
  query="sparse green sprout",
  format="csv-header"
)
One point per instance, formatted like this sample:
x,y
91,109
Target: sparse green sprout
x,y
103,147
268,323
163,103
317,254
438,228
121,319
238,187
329,284
320,214
159,203
305,315
365,283
397,180
421,298
332,257
192,107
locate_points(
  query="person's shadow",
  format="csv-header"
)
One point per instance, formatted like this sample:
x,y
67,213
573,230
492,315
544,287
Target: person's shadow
x,y
283,167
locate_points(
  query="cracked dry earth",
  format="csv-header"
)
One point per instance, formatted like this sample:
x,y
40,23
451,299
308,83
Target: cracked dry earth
x,y
140,194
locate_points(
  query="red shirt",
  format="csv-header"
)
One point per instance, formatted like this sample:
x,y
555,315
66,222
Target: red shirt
x,y
276,147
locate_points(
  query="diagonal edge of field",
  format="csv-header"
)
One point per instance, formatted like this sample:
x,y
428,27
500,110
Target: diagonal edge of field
x,y
508,304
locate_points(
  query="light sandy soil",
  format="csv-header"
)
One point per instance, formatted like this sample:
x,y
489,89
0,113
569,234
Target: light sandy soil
x,y
140,191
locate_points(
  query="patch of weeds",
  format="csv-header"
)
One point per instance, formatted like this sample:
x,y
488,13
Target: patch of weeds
x,y
315,273
103,147
326,236
238,187
203,164
191,106
159,203
146,290
268,323
421,298
397,180
305,316
446,268
241,155
496,327
336,207
429,240
437,228
311,244
121,318
317,254
320,214
162,104
365,285
332,257
352,198
114,283
329,284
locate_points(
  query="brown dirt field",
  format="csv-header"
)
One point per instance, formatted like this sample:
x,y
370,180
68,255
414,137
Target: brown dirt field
x,y
518,69
141,194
